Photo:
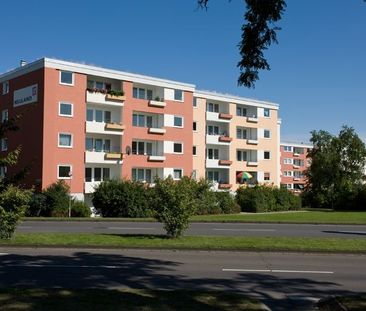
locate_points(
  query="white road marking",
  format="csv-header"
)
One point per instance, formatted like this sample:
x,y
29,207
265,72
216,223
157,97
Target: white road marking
x,y
278,271
62,266
251,230
130,228
25,227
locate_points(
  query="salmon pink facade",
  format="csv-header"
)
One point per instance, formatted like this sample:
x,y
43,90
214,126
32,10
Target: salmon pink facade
x,y
86,124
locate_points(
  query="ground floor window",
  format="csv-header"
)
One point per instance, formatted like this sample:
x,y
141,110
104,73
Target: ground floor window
x,y
142,175
97,174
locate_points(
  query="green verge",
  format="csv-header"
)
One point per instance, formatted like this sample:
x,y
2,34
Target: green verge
x,y
188,242
349,303
310,217
127,299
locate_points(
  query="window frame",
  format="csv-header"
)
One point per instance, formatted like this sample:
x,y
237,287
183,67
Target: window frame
x,y
194,126
65,115
264,155
182,95
72,78
6,87
181,173
264,133
264,113
194,150
64,165
176,143
4,144
182,119
5,113
71,140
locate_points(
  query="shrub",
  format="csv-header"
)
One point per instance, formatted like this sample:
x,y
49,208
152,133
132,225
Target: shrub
x,y
174,203
37,205
57,200
122,199
261,199
226,203
13,203
79,209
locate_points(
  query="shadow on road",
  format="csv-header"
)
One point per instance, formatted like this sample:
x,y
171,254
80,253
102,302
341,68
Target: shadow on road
x,y
92,270
345,232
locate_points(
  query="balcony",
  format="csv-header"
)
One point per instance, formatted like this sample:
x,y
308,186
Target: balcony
x,y
156,158
104,128
225,162
253,119
225,116
113,156
296,154
102,97
252,163
89,187
296,166
215,140
225,139
103,157
157,103
156,130
225,186
114,127
252,141
296,178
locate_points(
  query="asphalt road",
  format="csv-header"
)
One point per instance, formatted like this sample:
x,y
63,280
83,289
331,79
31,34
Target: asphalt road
x,y
211,229
283,281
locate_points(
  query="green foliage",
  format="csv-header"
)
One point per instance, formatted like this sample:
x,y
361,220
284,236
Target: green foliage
x,y
13,203
227,203
116,93
336,170
174,203
79,209
57,199
260,199
37,205
124,198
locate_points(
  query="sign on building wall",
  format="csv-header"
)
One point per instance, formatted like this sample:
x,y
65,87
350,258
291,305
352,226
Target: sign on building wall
x,y
26,95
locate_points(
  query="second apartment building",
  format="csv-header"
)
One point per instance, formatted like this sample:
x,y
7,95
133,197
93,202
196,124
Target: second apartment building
x,y
85,124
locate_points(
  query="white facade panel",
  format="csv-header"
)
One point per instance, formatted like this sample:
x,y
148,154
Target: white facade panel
x,y
168,146
169,120
260,133
168,171
260,112
260,155
99,128
169,94
260,176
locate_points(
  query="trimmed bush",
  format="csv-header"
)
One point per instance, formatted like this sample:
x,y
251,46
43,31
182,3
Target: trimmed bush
x,y
174,203
226,203
80,209
122,198
37,205
57,200
13,203
260,199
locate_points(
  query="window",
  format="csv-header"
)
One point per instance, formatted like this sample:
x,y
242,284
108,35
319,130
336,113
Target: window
x,y
267,155
213,130
177,173
287,161
289,186
89,115
287,173
178,148
212,107
178,121
65,140
97,174
88,144
142,148
287,148
178,95
213,176
298,162
88,174
194,175
106,173
299,150
4,115
66,77
241,133
194,102
139,120
267,176
3,171
4,144
266,112
241,155
142,93
98,116
65,109
213,154
107,117
194,150
267,134
194,126
98,145
5,87
240,111
142,175
298,174
64,171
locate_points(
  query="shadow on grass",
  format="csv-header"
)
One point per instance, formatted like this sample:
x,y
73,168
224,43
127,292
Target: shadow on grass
x,y
101,299
146,270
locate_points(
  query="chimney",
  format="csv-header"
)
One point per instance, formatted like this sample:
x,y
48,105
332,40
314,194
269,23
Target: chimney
x,y
22,63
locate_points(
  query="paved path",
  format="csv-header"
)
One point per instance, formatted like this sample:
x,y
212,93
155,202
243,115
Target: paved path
x,y
283,281
226,229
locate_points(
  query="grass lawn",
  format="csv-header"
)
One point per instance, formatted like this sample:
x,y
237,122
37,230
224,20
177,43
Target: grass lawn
x,y
188,242
114,300
314,217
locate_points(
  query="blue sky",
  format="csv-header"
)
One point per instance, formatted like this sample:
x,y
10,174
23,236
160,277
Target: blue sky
x,y
318,69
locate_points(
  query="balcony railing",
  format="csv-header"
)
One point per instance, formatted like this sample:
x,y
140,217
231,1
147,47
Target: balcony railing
x,y
225,116
253,119
225,162
114,127
225,139
156,130
156,158
157,103
252,141
224,186
113,156
252,163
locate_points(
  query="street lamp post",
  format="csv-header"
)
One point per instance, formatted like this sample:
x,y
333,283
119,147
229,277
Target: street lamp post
x,y
70,175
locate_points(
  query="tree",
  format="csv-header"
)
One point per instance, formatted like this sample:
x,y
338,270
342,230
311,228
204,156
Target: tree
x,y
334,178
258,33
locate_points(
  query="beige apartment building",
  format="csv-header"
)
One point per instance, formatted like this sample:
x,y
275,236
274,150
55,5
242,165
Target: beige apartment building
x,y
235,140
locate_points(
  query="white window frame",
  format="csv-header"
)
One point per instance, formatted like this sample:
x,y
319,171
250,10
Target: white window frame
x,y
58,171
72,140
5,87
287,161
195,104
66,115
175,116
178,142
4,115
269,112
269,132
4,146
72,78
178,100
178,169
264,152
287,148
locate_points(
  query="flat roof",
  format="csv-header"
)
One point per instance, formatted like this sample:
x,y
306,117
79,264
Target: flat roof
x,y
296,144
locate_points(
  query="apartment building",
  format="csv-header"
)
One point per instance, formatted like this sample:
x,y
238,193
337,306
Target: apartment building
x,y
85,124
293,164
234,136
